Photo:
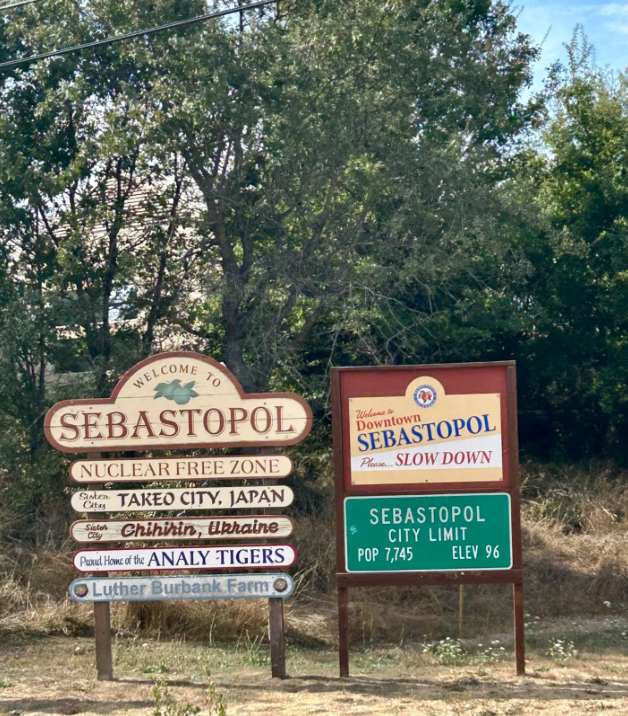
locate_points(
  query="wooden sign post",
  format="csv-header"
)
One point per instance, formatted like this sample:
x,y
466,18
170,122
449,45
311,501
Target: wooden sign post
x,y
427,481
102,633
177,401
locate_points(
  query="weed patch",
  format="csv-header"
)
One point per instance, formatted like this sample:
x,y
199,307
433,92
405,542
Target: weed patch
x,y
562,651
154,669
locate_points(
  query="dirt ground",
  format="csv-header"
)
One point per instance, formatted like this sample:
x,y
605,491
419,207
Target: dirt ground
x,y
55,675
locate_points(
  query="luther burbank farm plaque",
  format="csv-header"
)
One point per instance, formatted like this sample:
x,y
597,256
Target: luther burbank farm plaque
x,y
142,589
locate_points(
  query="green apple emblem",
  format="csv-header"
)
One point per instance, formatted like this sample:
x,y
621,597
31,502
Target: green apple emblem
x,y
181,394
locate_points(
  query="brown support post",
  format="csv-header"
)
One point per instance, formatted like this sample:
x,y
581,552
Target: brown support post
x,y
102,633
276,623
460,608
520,647
343,630
515,496
102,619
343,591
277,638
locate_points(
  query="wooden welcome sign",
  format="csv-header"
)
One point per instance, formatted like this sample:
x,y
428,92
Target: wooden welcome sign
x,y
179,401
427,481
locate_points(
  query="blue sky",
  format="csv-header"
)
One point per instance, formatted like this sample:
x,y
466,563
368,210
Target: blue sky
x,y
606,24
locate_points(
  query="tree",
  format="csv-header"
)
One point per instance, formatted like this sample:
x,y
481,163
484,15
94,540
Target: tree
x,y
331,155
242,185
555,297
580,340
93,246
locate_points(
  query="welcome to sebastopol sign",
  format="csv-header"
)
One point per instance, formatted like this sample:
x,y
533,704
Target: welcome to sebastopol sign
x,y
178,400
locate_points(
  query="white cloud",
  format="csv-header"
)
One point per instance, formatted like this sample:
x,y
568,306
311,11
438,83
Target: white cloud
x,y
621,27
612,9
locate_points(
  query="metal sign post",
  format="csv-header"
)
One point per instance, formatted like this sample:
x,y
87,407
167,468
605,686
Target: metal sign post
x,y
427,481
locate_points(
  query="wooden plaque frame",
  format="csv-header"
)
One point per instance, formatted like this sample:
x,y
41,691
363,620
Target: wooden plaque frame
x,y
456,378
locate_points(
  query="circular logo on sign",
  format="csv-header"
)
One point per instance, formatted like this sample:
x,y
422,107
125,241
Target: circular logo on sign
x,y
425,396
81,590
280,585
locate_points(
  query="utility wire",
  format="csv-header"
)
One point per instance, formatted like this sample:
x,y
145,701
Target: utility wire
x,y
136,33
16,4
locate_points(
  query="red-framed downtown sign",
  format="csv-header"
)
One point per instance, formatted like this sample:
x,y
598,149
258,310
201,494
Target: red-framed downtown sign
x,y
426,480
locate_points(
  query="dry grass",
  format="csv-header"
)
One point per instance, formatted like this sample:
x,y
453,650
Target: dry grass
x,y
207,621
575,539
575,530
56,676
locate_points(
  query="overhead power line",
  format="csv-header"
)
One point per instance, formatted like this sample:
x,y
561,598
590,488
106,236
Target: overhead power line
x,y
17,4
136,33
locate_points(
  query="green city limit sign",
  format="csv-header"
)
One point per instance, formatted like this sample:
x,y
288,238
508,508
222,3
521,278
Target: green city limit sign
x,y
427,533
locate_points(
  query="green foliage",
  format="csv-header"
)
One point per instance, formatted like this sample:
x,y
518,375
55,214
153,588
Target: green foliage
x,y
447,651
543,277
572,342
154,669
253,650
166,705
217,701
296,192
284,194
